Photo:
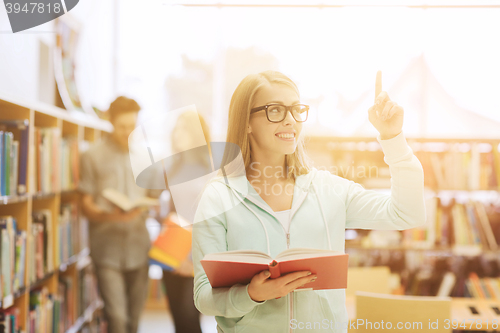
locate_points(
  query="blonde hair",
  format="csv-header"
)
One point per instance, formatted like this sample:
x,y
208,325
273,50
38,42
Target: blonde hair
x,y
239,116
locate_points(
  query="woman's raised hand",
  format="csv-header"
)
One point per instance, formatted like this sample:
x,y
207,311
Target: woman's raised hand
x,y
262,288
385,115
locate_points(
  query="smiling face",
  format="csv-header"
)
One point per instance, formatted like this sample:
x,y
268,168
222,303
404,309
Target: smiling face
x,y
273,139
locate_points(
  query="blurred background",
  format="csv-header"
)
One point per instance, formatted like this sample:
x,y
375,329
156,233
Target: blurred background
x,y
439,60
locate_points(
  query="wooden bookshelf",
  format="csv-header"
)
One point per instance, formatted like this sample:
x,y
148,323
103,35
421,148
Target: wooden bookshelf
x,y
456,172
21,207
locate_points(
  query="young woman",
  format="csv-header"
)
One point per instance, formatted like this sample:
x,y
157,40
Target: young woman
x,y
289,204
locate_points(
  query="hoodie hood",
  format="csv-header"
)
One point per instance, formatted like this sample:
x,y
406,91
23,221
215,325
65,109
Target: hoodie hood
x,y
242,189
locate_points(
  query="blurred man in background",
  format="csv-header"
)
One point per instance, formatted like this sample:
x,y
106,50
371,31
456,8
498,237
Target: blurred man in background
x,y
119,241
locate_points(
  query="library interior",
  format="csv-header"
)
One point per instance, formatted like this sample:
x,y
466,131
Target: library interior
x,y
99,97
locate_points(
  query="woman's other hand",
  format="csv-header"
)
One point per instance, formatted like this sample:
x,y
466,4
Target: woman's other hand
x,y
385,115
262,288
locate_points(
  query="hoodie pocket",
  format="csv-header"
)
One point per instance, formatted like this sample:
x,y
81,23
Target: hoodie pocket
x,y
247,321
334,307
313,312
325,305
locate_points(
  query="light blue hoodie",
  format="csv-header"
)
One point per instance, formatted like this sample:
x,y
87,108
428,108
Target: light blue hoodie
x,y
323,206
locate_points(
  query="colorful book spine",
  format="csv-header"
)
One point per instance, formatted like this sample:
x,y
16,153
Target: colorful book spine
x,y
8,137
16,174
2,163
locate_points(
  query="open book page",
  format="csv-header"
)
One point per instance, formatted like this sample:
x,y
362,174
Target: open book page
x,y
304,253
258,257
122,201
247,256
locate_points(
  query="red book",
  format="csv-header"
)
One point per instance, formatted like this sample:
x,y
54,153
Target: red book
x,y
226,269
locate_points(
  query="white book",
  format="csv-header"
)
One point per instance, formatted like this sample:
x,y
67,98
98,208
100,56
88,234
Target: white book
x,y
122,201
447,284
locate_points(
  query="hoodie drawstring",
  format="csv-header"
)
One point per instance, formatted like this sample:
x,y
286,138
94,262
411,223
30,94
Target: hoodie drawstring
x,y
324,219
263,225
265,229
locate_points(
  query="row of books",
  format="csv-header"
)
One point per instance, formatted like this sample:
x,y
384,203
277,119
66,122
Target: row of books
x,y
13,156
41,257
485,288
9,320
456,166
52,313
13,257
56,161
457,225
43,311
57,313
72,232
473,169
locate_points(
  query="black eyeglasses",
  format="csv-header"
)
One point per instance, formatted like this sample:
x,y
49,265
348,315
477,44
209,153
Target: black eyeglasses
x,y
276,113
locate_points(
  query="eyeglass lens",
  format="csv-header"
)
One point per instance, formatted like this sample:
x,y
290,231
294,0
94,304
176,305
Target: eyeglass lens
x,y
278,112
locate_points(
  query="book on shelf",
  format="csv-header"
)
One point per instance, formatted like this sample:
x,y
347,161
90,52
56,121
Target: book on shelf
x,y
225,269
47,177
20,263
69,163
447,284
40,256
41,314
12,257
44,240
69,239
6,249
37,247
121,200
9,320
13,156
7,158
173,244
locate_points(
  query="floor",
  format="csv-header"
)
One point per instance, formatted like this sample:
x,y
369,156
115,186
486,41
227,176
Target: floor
x,y
160,321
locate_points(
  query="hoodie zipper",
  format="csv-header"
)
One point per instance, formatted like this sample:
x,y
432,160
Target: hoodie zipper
x,y
291,295
292,213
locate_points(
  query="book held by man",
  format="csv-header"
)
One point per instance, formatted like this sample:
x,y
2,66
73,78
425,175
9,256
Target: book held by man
x,y
225,269
122,201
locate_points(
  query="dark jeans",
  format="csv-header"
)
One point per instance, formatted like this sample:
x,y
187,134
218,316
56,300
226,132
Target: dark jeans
x,y
180,298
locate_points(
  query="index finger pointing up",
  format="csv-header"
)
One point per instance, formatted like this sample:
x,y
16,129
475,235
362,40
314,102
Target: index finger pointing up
x,y
378,84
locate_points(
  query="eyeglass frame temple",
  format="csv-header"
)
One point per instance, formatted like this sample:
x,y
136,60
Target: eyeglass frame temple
x,y
287,108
